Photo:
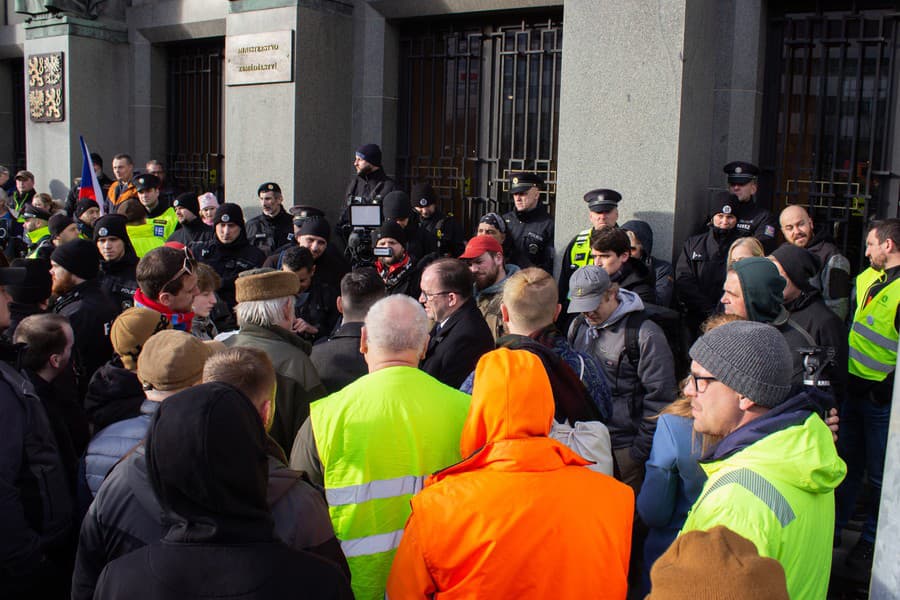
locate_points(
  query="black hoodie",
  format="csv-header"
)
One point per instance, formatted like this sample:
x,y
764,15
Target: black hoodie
x,y
207,463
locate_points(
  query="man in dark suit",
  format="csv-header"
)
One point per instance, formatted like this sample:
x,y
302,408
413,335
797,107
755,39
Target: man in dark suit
x,y
460,334
338,359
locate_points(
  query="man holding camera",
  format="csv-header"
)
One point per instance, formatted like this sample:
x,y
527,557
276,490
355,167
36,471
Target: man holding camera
x,y
369,186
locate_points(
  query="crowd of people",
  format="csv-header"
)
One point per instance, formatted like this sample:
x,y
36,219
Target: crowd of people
x,y
195,405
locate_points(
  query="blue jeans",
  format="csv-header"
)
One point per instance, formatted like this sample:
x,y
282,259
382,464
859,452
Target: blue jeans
x,y
862,443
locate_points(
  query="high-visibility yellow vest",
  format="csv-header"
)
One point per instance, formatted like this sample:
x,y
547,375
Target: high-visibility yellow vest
x,y
143,239
580,256
164,225
38,234
873,337
377,439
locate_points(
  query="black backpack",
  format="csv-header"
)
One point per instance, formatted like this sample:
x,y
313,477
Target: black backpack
x,y
671,324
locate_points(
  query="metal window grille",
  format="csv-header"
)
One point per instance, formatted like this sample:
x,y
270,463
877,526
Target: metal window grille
x,y
476,103
836,86
195,158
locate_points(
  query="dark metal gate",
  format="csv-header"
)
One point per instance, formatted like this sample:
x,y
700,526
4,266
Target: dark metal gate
x,y
195,156
476,102
835,81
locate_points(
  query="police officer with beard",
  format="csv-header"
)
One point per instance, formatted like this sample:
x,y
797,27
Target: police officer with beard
x,y
229,254
274,227
530,226
369,185
700,271
118,260
752,219
191,228
445,234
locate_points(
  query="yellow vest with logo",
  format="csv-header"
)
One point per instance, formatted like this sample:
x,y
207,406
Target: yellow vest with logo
x,y
580,256
377,439
873,337
143,238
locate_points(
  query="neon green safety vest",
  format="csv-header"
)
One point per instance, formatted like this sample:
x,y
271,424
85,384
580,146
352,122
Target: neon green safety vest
x,y
143,239
580,256
164,225
38,234
873,337
37,239
377,438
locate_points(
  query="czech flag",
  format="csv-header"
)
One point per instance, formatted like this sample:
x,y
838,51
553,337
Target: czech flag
x,y
90,186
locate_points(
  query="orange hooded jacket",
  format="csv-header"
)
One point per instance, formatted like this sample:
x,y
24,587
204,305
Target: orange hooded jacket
x,y
521,517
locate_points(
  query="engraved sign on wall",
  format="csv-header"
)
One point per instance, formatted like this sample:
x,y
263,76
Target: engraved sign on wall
x,y
46,94
259,58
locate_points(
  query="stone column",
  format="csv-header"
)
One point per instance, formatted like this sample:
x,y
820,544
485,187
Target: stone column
x,y
294,132
96,87
636,113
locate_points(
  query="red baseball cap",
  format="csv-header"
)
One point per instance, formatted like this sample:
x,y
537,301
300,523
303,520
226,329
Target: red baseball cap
x,y
480,244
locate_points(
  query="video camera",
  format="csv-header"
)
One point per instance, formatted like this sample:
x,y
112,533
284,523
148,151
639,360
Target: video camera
x,y
816,359
365,218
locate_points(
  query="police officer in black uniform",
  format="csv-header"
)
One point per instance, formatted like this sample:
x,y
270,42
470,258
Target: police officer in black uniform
x,y
530,226
274,227
229,254
396,207
191,228
603,210
445,233
118,260
700,270
368,186
752,219
312,231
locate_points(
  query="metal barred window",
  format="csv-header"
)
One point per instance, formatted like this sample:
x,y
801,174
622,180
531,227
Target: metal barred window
x,y
833,73
477,102
195,95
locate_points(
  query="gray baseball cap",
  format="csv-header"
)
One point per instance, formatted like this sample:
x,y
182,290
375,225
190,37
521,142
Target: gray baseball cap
x,y
586,287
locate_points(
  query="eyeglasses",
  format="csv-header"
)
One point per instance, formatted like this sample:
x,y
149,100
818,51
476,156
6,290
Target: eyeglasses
x,y
428,296
186,269
701,387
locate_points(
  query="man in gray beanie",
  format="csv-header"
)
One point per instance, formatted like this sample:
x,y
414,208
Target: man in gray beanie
x,y
772,476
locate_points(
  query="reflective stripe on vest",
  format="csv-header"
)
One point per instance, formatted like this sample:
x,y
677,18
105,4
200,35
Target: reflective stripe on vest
x,y
372,544
873,337
377,438
374,490
760,487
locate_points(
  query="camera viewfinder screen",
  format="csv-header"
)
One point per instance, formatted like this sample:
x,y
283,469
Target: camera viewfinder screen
x,y
365,215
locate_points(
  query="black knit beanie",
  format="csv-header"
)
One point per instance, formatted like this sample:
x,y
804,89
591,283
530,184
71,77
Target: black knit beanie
x,y
111,226
36,287
799,264
316,226
58,222
79,257
229,213
189,201
396,205
392,229
370,153
83,205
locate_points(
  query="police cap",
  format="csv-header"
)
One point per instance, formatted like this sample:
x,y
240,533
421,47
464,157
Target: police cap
x,y
602,200
522,182
741,172
146,182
